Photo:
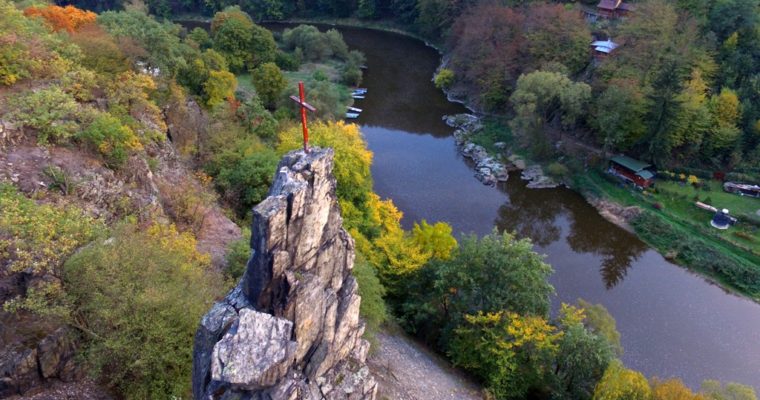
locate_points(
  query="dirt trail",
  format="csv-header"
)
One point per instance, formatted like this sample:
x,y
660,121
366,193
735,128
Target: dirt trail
x,y
407,371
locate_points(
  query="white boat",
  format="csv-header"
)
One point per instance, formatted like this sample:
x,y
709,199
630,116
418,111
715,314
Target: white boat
x,y
359,90
357,96
354,109
351,115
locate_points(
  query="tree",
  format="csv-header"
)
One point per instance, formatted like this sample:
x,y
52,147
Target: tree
x,y
491,274
233,39
555,33
137,299
263,48
219,87
67,18
713,390
620,383
511,353
246,182
163,51
444,78
542,96
201,38
435,239
582,356
599,321
269,83
619,115
673,389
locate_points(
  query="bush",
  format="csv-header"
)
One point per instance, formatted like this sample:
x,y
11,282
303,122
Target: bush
x,y
287,62
137,298
246,182
111,139
444,78
557,170
50,111
36,239
238,253
373,308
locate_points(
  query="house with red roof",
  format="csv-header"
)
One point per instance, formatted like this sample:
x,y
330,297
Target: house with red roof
x,y
613,8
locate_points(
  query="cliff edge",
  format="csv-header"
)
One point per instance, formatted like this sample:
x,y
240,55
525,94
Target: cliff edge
x,y
291,328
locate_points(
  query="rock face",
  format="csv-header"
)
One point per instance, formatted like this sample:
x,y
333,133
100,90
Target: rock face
x,y
291,328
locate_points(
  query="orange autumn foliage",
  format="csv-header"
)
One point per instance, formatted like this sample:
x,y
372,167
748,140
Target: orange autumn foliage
x,y
67,18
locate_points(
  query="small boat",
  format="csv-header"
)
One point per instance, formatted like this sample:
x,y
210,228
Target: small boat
x,y
359,89
351,115
354,109
357,96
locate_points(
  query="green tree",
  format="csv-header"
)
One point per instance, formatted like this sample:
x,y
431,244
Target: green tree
x,y
511,353
581,358
246,182
201,38
51,112
599,321
444,78
542,96
219,87
269,82
620,383
619,115
263,48
491,274
731,391
233,39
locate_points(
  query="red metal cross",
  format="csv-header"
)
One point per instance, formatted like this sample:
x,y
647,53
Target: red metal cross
x,y
301,100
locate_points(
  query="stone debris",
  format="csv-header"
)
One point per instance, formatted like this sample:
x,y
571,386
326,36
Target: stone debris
x,y
537,180
291,328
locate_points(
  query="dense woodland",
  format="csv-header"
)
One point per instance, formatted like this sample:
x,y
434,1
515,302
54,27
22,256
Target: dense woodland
x,y
684,88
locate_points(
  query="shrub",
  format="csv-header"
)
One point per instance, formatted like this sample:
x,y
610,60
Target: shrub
x,y
557,170
246,182
36,239
373,308
269,83
111,139
137,298
444,78
50,111
238,253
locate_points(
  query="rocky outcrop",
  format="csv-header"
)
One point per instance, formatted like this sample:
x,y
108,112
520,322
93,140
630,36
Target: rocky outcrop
x,y
489,169
291,328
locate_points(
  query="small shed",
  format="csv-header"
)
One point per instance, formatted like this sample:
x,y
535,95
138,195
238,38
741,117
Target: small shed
x,y
603,48
632,170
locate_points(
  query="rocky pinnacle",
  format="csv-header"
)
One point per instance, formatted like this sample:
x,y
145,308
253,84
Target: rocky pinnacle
x,y
291,327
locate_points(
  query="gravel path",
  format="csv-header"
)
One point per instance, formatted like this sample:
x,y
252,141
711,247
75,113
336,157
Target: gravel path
x,y
407,371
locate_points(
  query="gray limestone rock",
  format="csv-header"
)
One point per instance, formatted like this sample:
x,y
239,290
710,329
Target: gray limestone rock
x,y
293,320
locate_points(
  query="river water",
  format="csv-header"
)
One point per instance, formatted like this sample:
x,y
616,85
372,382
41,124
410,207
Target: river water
x,y
673,323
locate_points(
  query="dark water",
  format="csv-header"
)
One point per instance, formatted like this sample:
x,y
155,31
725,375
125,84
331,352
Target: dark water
x,y
673,323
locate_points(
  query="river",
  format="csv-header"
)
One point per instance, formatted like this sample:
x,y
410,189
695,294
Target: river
x,y
673,323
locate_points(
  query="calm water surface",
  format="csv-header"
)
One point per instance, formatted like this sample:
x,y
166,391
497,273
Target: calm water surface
x,y
672,322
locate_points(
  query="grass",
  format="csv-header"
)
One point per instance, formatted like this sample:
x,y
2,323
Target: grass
x,y
683,230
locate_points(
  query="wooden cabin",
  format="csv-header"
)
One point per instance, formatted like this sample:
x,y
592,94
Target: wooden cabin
x,y
613,8
632,170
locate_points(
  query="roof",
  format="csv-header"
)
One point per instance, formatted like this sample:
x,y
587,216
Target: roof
x,y
604,46
630,163
627,7
608,4
645,174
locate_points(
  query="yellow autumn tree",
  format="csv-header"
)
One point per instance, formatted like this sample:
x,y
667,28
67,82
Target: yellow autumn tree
x,y
673,389
620,383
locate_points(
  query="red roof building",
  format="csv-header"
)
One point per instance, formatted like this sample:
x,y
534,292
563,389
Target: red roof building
x,y
613,8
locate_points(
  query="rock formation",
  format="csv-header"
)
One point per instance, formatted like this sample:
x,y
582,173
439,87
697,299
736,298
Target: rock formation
x,y
291,328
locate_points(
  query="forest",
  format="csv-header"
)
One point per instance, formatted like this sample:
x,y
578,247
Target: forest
x,y
123,87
